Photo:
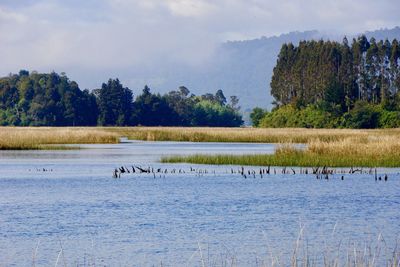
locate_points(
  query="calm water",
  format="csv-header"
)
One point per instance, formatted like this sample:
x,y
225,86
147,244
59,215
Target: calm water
x,y
140,220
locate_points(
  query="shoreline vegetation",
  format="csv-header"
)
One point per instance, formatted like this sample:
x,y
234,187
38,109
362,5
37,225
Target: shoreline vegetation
x,y
324,147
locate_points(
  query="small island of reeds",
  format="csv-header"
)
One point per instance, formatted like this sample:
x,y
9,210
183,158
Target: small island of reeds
x,y
333,148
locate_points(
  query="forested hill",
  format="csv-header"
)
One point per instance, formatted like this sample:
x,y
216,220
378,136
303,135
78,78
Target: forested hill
x,y
352,84
51,99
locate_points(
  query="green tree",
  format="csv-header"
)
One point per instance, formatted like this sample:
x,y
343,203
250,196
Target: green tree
x,y
154,110
182,104
207,113
256,115
115,104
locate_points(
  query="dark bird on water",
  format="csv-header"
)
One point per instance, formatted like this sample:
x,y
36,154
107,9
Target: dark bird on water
x,y
116,174
142,170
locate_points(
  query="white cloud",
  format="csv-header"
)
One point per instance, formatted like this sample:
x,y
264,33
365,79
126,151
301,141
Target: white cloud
x,y
190,8
121,34
9,16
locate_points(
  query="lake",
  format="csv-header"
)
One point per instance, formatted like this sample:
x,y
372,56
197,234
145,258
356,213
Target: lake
x,y
65,207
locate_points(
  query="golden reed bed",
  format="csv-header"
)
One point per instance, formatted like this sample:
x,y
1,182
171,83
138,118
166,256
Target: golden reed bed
x,y
19,138
331,147
254,135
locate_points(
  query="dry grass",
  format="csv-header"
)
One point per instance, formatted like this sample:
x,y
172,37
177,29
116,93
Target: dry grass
x,y
371,145
253,135
17,138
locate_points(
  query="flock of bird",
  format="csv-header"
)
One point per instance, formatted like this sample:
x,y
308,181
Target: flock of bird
x,y
41,170
319,172
161,172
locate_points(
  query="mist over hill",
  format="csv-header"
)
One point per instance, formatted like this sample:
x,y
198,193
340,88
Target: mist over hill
x,y
241,68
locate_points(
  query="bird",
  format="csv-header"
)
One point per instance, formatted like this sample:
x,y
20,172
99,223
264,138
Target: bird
x,y
142,170
115,174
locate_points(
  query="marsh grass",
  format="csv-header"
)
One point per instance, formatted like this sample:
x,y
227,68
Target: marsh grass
x,y
39,137
32,138
291,157
344,148
243,135
325,147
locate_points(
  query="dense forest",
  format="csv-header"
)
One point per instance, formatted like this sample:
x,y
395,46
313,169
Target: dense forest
x,y
40,99
331,84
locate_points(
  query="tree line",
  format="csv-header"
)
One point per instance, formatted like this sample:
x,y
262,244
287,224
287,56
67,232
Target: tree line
x,y
332,84
51,99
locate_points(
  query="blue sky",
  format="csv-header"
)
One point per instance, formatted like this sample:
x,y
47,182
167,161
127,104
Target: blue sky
x,y
63,35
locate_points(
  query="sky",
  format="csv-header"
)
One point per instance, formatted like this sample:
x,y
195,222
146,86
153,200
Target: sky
x,y
104,36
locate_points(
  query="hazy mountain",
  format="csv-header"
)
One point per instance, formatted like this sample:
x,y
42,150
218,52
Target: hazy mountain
x,y
384,34
241,68
244,68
